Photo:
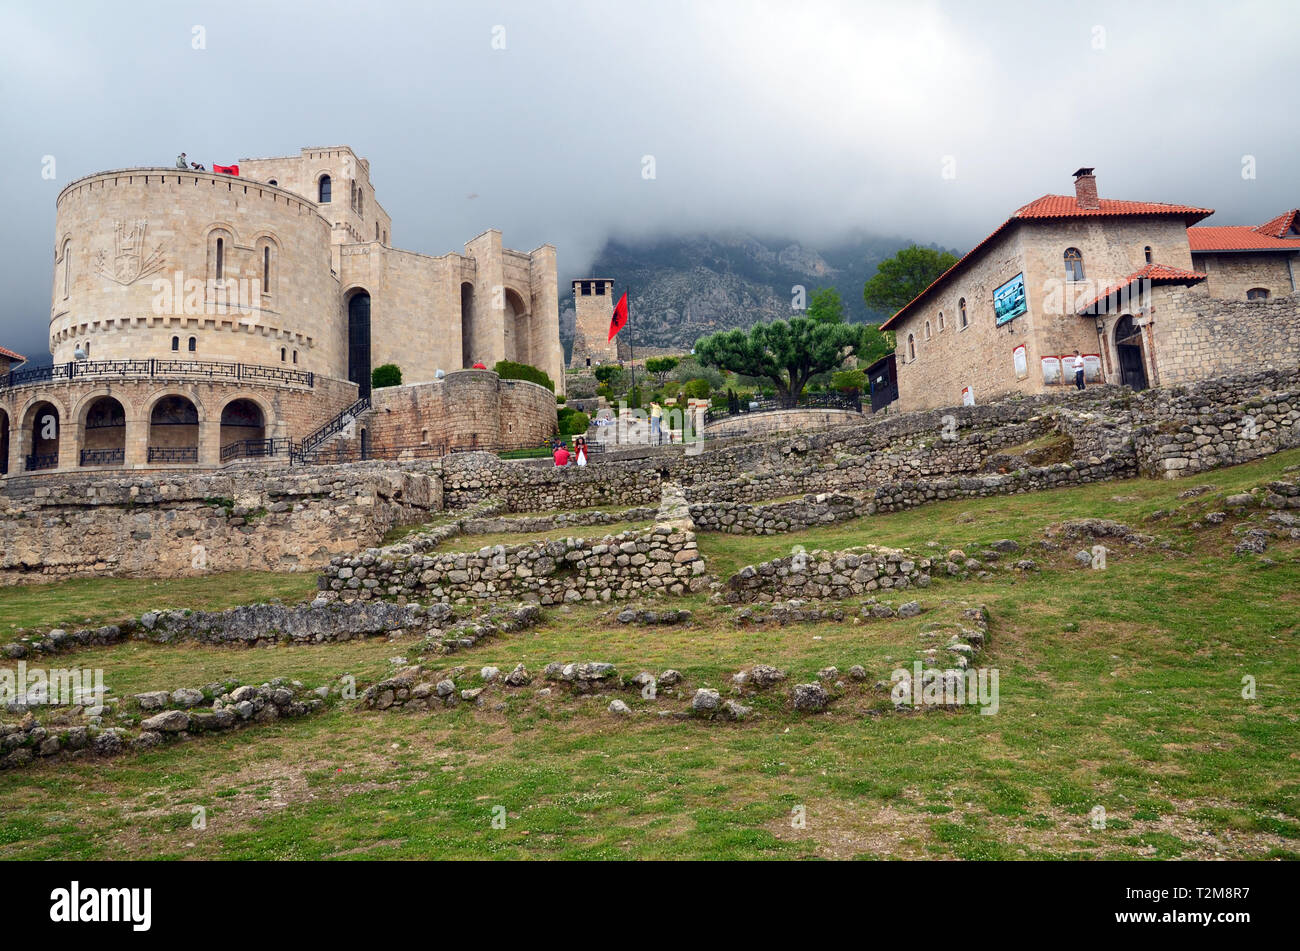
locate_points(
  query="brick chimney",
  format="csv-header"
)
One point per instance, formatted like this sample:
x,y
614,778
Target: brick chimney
x,y
1085,189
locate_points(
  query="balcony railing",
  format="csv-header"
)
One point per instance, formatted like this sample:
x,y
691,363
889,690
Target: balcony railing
x,y
255,449
145,368
103,457
44,460
735,407
173,453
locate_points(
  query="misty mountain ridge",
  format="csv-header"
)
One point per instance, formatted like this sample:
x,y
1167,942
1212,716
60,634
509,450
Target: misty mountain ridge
x,y
686,286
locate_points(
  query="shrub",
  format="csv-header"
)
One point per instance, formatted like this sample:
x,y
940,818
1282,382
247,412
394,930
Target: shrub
x,y
696,389
609,373
849,381
571,422
509,370
387,374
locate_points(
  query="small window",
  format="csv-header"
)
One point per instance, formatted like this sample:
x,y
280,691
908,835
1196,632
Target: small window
x,y
67,266
1073,264
911,347
600,288
266,269
424,437
586,288
1257,293
221,258
376,230
273,182
295,356
194,344
323,190
176,344
941,323
927,330
282,354
1147,251
961,307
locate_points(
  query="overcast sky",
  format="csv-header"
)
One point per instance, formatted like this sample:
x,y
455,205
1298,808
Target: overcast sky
x,y
805,119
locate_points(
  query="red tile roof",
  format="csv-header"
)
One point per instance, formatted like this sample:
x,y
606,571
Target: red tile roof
x,y
1238,238
1279,226
12,356
1155,273
1059,207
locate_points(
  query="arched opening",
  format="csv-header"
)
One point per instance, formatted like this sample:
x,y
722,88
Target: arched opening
x,y
4,443
243,431
365,444
45,428
174,431
104,443
911,347
1128,347
466,324
517,325
323,190
961,306
359,341
1073,264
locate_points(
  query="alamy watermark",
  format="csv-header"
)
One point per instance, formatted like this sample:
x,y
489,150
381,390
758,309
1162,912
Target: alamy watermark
x,y
57,686
935,687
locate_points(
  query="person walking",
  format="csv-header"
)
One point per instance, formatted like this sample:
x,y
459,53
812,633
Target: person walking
x,y
580,450
1078,370
656,421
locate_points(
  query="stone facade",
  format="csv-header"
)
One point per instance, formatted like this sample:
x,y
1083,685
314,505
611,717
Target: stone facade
x,y
1069,251
593,306
284,277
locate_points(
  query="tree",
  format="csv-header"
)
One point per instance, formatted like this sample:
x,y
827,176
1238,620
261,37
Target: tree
x,y
661,367
387,374
849,381
608,373
900,278
788,352
826,306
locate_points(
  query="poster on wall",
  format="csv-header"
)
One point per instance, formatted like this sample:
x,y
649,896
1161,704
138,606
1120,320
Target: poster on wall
x,y
1009,300
1020,357
1052,371
967,396
1092,368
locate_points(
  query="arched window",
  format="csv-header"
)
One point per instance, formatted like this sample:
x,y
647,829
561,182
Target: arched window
x,y
273,182
1147,252
1073,264
282,352
266,269
295,356
911,347
324,190
1257,293
176,344
67,266
194,344
927,330
221,258
376,230
941,323
384,241
961,307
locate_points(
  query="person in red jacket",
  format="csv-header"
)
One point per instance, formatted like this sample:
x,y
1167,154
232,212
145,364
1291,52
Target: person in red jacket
x,y
561,455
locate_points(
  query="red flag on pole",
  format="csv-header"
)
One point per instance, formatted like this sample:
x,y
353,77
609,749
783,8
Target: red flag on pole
x,y
226,169
619,319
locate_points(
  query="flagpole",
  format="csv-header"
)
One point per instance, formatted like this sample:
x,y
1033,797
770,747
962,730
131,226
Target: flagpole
x,y
631,354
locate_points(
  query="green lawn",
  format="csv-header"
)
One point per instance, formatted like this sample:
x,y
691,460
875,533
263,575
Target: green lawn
x,y
1119,688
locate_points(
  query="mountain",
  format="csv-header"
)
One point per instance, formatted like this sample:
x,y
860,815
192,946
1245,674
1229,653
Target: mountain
x,y
686,286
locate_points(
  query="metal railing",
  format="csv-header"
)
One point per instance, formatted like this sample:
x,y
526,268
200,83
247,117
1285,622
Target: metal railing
x,y
173,453
103,457
737,407
150,367
44,460
255,449
335,425
392,452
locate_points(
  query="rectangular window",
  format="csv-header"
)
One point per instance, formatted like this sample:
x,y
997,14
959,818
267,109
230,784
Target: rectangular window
x,y
600,288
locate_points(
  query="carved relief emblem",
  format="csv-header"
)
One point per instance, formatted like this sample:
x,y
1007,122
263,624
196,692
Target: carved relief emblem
x,y
130,259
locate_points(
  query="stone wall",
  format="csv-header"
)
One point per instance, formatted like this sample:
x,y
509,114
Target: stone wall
x,y
777,421
740,518
282,520
826,575
1198,337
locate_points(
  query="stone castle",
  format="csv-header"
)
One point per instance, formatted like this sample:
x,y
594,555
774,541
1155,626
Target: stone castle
x,y
198,319
1145,296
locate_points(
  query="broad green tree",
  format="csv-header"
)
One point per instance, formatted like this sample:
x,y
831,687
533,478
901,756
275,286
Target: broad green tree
x,y
661,367
902,277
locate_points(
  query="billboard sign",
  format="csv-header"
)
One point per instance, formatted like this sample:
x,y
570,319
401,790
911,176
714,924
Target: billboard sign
x,y
1009,300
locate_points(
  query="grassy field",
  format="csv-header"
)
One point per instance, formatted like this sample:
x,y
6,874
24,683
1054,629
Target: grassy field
x,y
1119,688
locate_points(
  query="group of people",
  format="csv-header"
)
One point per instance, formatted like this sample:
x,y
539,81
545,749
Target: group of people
x,y
563,457
183,162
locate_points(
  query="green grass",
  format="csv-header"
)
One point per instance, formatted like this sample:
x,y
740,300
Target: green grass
x,y
89,602
1119,688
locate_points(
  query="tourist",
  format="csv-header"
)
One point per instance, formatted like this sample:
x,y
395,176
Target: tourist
x,y
561,455
182,162
580,450
1078,370
656,420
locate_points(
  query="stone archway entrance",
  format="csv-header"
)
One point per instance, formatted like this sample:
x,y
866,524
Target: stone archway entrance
x,y
1128,350
44,431
174,431
243,431
105,440
359,341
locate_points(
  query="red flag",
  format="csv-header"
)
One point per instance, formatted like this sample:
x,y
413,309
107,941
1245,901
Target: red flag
x,y
619,319
226,169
